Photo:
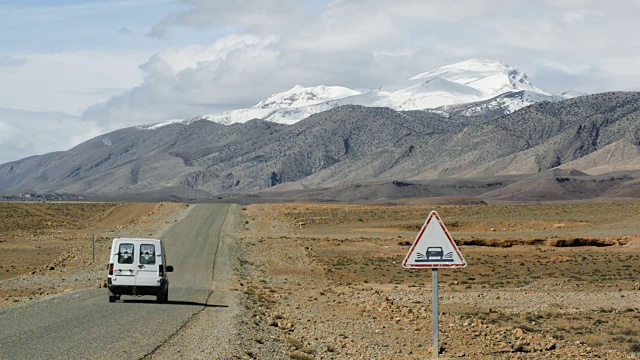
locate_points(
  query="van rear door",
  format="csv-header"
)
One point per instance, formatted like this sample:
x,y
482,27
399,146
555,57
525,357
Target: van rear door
x,y
124,267
148,263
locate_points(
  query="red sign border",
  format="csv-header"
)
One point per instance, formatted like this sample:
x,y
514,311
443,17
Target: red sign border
x,y
415,243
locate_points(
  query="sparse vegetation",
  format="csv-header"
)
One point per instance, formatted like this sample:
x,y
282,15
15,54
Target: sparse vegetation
x,y
344,142
47,239
344,272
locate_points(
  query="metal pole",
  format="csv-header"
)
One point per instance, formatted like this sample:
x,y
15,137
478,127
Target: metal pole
x,y
434,306
93,242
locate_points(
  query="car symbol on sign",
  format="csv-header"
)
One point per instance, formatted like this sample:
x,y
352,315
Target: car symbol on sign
x,y
434,252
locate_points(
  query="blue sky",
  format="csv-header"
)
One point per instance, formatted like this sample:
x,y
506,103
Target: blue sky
x,y
50,26
29,26
117,63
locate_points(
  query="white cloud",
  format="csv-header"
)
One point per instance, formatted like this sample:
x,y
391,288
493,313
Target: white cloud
x,y
247,15
422,10
238,71
24,133
356,33
259,47
573,68
173,60
193,80
364,44
580,28
7,61
67,81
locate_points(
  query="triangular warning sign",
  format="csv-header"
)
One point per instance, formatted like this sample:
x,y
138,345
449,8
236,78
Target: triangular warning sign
x,y
434,247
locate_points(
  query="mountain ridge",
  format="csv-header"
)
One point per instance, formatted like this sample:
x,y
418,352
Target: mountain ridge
x,y
461,84
343,146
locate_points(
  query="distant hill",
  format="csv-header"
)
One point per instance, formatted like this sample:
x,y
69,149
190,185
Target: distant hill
x,y
38,132
350,145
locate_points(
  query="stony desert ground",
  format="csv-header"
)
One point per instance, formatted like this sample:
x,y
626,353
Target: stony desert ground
x,y
324,281
544,281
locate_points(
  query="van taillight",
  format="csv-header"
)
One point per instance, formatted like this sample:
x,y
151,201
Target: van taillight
x,y
111,269
161,267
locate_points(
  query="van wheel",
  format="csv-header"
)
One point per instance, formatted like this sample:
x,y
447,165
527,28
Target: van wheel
x,y
113,298
164,297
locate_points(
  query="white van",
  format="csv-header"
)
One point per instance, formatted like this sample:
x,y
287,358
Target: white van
x,y
138,267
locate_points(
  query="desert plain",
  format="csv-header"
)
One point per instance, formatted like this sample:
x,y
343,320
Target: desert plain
x,y
324,281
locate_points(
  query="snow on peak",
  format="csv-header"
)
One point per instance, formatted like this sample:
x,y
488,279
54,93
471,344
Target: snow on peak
x,y
491,83
299,96
460,83
289,106
471,66
487,76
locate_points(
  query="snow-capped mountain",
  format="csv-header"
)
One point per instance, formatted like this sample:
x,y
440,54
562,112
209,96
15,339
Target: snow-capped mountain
x,y
461,83
288,107
299,96
476,85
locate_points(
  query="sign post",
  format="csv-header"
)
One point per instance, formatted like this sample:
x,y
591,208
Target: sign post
x,y
434,248
435,312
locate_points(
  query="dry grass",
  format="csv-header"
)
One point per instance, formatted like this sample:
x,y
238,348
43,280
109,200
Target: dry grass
x,y
559,249
54,238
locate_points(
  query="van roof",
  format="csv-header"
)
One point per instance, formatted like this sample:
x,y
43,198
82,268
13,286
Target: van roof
x,y
135,239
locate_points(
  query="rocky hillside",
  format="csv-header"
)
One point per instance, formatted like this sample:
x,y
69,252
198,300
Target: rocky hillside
x,y
345,145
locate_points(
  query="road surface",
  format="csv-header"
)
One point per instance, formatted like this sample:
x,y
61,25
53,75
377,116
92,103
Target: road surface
x,y
84,325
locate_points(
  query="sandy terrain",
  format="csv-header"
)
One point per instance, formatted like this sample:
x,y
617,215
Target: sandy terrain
x,y
325,281
46,248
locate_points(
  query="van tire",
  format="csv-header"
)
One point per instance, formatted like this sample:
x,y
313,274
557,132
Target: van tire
x,y
113,298
164,297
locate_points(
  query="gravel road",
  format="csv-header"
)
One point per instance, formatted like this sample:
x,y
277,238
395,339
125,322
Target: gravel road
x,y
82,324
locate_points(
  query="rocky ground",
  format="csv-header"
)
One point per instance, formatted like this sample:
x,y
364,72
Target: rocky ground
x,y
325,282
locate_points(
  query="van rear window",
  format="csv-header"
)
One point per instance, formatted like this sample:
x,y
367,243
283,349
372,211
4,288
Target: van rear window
x,y
125,254
147,254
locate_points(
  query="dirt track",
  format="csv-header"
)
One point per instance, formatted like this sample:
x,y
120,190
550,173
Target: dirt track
x,y
83,324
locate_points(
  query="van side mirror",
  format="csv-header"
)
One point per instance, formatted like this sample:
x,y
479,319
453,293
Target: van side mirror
x,y
169,268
